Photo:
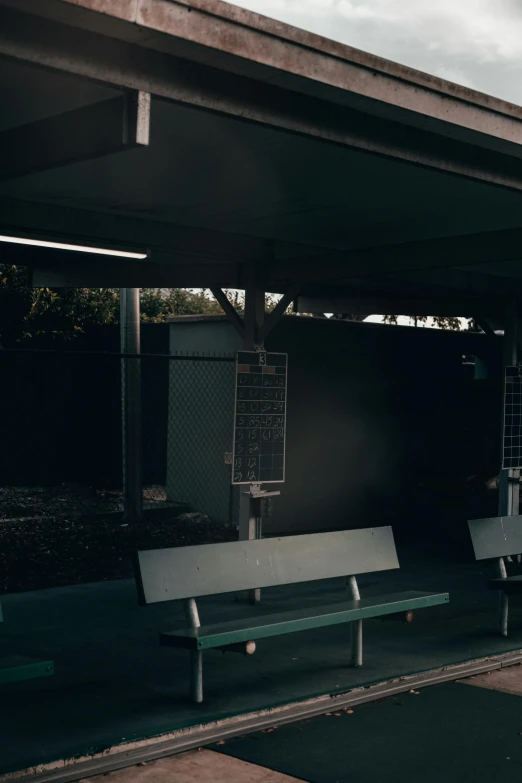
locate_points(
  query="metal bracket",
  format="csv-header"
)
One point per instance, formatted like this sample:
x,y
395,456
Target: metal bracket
x,y
256,493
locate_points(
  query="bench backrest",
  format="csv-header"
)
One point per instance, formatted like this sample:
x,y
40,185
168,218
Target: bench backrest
x,y
211,569
496,536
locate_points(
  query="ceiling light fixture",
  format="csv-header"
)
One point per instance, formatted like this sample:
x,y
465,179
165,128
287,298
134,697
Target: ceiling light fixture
x,y
100,251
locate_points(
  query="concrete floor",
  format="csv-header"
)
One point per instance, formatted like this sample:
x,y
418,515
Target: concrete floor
x,y
196,766
220,767
506,680
114,684
451,733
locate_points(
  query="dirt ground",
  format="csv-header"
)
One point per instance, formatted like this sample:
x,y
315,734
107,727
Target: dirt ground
x,y
62,536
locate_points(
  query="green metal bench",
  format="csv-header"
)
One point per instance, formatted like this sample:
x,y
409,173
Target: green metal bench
x,y
190,572
15,668
495,538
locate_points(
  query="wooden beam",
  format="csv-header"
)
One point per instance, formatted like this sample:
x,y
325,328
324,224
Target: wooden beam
x,y
254,299
61,223
430,306
166,241
455,251
204,86
483,324
275,316
230,311
136,275
82,134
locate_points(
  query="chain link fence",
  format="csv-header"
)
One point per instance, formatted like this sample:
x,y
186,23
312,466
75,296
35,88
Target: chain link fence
x,y
62,458
199,434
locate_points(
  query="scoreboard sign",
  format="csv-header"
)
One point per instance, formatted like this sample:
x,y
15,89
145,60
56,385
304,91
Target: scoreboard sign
x,y
512,445
260,418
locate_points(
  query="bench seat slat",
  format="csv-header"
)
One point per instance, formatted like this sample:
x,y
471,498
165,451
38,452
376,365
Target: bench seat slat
x,y
263,626
214,569
512,584
496,536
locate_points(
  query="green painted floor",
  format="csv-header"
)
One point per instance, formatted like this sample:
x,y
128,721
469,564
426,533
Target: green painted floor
x,y
451,733
113,682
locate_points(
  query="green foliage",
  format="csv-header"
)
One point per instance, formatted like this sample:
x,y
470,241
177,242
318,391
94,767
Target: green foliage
x,y
45,315
16,303
158,305
237,298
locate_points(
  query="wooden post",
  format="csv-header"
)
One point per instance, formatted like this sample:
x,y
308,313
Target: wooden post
x,y
131,404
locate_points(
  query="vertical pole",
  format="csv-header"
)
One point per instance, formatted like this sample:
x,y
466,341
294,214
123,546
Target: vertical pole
x,y
508,493
131,404
503,605
509,490
249,520
357,626
254,316
196,656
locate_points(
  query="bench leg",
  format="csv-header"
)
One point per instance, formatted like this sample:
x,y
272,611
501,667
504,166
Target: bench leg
x,y
357,643
196,676
503,606
502,600
357,627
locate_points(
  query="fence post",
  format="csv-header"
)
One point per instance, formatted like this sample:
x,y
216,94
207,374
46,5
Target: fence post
x,y
508,495
509,489
131,404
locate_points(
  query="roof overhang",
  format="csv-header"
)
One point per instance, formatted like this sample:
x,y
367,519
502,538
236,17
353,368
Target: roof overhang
x,y
316,162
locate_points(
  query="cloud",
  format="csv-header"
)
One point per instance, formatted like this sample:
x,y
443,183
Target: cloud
x,y
473,42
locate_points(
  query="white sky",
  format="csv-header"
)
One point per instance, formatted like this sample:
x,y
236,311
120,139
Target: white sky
x,y
477,43
405,320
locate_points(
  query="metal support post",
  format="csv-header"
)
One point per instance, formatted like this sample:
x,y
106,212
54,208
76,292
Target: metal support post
x,y
249,526
509,488
357,626
508,493
196,656
131,404
503,601
254,532
259,504
254,329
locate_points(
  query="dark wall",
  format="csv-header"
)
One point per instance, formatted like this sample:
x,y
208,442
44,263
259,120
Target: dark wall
x,y
385,425
61,411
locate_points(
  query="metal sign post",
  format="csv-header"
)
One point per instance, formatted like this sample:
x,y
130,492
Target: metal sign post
x,y
259,434
259,508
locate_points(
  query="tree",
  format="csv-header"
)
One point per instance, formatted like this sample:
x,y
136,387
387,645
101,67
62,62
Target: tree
x,y
442,321
45,315
159,304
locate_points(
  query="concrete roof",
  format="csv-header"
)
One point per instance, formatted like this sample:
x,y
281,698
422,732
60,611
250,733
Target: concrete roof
x,y
323,165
